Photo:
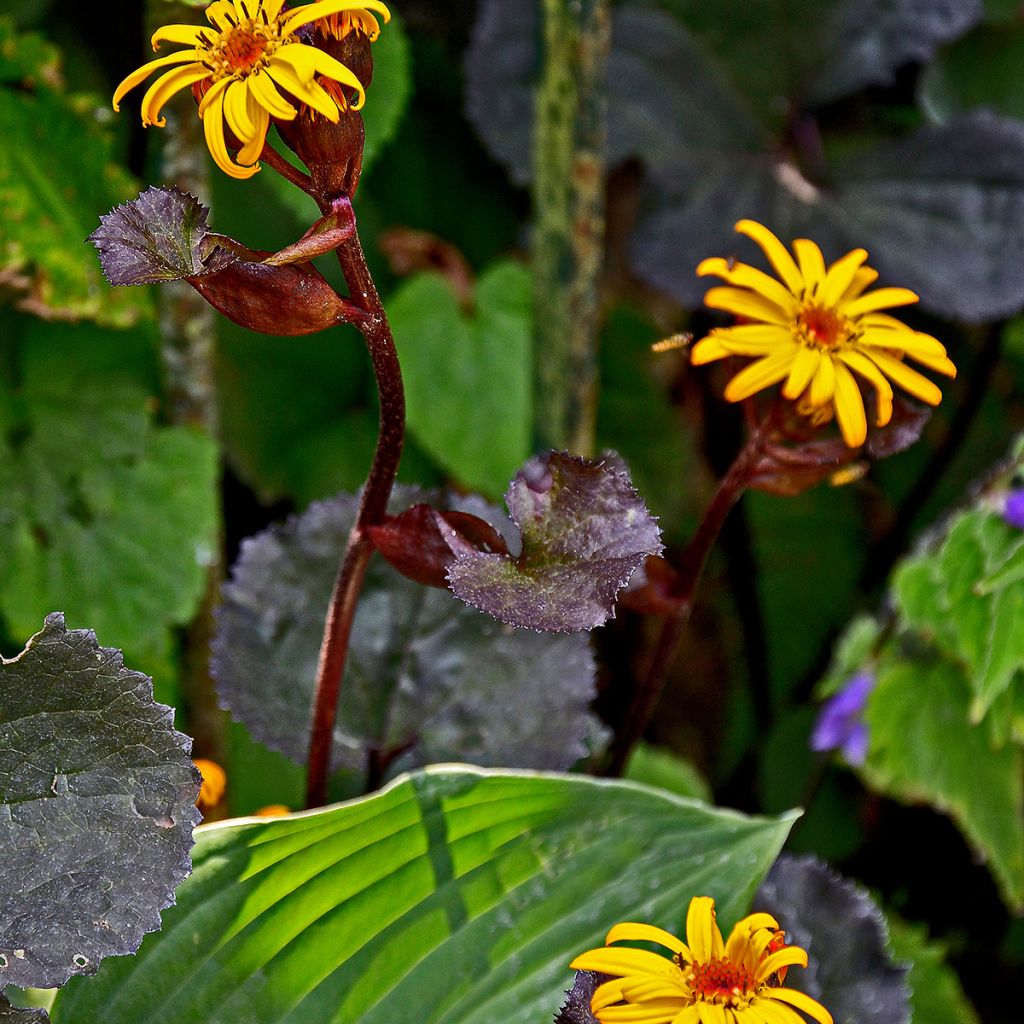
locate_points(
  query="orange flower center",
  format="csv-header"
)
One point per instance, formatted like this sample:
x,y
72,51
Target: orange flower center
x,y
821,327
721,981
242,49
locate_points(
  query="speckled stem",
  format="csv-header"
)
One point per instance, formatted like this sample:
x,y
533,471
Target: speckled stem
x,y
569,206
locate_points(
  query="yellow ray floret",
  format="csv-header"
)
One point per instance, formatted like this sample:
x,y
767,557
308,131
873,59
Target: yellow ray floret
x,y
249,66
819,332
707,980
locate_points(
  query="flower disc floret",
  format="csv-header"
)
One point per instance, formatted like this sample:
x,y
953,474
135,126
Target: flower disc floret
x,y
706,981
818,329
248,67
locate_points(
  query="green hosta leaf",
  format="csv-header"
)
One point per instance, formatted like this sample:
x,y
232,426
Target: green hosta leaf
x,y
850,970
584,532
97,807
923,747
658,767
56,177
968,598
453,896
104,516
427,678
936,994
469,373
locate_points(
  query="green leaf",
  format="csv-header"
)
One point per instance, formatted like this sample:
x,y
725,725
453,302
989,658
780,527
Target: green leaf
x,y
28,59
106,517
468,373
965,597
55,181
97,807
453,896
980,70
658,767
923,747
427,679
936,994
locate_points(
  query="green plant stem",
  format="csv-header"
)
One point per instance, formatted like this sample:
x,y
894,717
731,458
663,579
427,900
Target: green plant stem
x,y
569,199
372,510
690,569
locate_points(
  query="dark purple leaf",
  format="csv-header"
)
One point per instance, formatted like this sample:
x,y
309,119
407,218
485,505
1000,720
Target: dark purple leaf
x,y
16,1015
97,808
577,1000
427,680
584,532
851,972
161,236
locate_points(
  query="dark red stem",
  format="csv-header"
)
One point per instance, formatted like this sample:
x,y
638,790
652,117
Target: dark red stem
x,y
372,510
690,569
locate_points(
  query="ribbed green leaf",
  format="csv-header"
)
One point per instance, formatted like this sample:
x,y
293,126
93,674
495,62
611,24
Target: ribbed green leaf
x,y
455,895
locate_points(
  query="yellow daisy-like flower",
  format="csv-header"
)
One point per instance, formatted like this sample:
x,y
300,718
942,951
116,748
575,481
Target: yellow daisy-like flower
x,y
240,66
215,782
707,981
815,328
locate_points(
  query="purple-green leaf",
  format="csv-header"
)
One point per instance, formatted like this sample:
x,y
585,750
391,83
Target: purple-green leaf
x,y
161,236
584,532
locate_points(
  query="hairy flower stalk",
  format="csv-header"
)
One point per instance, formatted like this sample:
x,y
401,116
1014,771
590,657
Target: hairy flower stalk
x,y
708,980
250,67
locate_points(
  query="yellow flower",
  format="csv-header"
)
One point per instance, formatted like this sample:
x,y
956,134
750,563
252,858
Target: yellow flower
x,y
812,327
215,782
240,66
707,981
361,20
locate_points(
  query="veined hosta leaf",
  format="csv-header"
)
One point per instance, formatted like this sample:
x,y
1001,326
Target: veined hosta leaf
x,y
923,747
966,595
453,897
97,807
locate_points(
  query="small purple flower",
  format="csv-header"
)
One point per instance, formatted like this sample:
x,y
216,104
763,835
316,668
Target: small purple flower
x,y
840,725
1013,510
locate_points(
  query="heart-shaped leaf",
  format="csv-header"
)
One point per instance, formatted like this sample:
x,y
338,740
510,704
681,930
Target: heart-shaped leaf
x,y
97,807
452,897
427,678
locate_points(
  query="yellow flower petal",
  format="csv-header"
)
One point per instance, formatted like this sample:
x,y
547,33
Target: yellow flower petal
x,y
236,111
903,340
188,35
812,264
213,125
325,64
141,74
742,276
269,98
702,934
622,962
744,303
805,365
165,87
802,1002
882,298
775,1014
853,423
637,990
311,93
863,279
630,932
315,11
823,387
660,1011
794,956
859,363
707,350
840,276
778,255
910,380
221,14
711,1013
607,994
687,1016
756,377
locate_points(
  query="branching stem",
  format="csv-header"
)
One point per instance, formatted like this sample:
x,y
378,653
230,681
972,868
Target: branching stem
x,y
372,510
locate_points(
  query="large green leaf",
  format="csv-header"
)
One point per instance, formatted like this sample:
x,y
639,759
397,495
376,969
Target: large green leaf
x,y
455,896
105,517
468,373
923,747
56,178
